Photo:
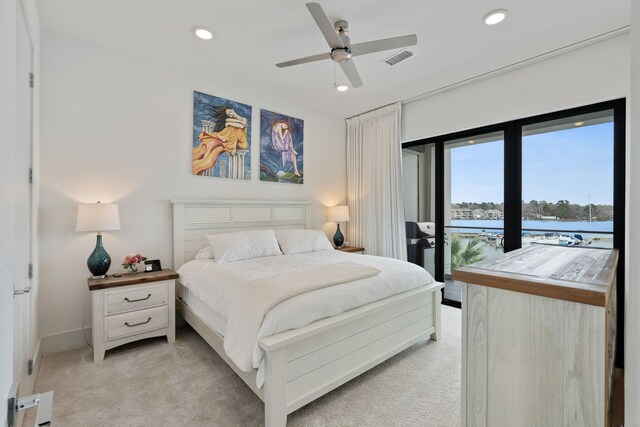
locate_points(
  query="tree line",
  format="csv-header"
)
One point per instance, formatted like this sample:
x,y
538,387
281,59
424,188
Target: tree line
x,y
562,209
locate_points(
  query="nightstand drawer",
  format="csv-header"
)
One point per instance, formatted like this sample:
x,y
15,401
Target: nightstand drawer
x,y
122,301
135,323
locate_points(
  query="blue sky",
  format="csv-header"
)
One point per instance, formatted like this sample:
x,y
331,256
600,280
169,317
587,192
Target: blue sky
x,y
568,164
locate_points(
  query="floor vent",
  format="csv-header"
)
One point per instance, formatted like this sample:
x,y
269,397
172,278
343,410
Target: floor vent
x,y
399,57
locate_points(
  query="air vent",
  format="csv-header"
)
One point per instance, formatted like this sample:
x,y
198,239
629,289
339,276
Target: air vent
x,y
399,57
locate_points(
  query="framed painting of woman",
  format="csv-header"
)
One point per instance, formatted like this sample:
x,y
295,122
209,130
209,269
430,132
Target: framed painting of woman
x,y
221,137
281,148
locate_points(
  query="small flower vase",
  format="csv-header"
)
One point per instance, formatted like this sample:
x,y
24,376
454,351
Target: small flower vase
x,y
133,269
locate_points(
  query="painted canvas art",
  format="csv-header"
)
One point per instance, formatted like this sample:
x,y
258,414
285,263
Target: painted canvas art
x,y
281,148
221,137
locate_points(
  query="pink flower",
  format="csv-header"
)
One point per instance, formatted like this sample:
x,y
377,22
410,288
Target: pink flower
x,y
132,260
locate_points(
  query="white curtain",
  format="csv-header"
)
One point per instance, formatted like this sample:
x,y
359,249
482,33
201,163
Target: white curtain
x,y
374,180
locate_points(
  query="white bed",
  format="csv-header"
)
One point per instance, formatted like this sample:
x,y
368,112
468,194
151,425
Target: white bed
x,y
298,361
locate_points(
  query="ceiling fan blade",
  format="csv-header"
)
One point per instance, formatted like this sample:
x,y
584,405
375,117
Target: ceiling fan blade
x,y
349,68
312,58
325,25
383,44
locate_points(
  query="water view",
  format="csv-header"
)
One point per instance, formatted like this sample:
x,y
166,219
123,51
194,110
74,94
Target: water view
x,y
469,241
474,240
569,226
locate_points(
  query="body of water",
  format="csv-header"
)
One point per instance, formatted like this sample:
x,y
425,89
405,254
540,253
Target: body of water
x,y
568,226
492,248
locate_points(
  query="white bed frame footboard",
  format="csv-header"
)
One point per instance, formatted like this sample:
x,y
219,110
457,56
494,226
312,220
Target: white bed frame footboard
x,y
306,363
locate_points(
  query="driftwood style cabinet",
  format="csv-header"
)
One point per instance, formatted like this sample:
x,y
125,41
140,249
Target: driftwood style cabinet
x,y
538,337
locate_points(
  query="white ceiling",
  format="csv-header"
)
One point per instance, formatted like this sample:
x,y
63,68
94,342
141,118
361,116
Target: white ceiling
x,y
250,36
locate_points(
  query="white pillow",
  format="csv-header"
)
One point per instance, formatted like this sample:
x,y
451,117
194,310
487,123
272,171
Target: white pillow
x,y
205,253
300,241
243,245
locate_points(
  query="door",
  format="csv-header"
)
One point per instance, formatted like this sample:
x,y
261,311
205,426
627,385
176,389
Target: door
x,y
473,204
15,199
22,328
7,114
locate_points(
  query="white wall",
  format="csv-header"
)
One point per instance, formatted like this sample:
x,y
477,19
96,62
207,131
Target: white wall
x,y
632,310
118,129
594,73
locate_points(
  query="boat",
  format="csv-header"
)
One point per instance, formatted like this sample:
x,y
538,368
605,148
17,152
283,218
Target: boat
x,y
556,239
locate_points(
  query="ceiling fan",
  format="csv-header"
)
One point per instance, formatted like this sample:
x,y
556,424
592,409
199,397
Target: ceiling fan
x,y
342,51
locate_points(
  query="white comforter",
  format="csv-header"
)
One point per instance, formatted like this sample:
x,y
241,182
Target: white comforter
x,y
216,284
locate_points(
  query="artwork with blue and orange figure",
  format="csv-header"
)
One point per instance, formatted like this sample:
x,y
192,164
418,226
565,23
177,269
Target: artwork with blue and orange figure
x,y
221,137
281,144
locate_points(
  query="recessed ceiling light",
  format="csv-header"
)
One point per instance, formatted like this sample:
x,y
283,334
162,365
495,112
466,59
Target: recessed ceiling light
x,y
578,123
342,88
472,142
202,33
495,17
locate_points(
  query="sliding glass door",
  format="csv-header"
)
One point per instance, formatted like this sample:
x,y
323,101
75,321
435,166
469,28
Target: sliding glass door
x,y
473,205
557,178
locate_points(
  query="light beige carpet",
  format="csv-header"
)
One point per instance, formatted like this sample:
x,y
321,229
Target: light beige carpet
x,y
152,383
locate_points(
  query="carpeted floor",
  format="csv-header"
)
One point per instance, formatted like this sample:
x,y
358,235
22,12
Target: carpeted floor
x,y
152,383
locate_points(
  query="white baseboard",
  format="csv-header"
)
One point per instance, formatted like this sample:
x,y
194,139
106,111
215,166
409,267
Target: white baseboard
x,y
65,341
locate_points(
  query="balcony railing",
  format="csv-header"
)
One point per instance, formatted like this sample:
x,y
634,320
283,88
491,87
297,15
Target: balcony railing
x,y
549,236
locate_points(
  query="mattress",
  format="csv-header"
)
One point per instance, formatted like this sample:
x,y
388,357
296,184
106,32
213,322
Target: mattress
x,y
202,310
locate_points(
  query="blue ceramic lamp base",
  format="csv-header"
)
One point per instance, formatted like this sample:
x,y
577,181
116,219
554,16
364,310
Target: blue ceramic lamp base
x,y
338,238
99,261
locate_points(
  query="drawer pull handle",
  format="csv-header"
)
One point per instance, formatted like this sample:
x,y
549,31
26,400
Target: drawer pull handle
x,y
139,299
138,324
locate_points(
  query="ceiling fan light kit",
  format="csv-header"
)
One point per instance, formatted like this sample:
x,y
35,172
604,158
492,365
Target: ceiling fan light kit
x,y
341,49
341,54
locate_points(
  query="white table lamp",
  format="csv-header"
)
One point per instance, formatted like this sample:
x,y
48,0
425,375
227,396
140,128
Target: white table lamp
x,y
338,214
98,217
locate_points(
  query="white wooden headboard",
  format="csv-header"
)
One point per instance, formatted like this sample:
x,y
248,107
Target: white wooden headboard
x,y
194,219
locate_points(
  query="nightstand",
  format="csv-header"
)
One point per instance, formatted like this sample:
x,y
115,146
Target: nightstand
x,y
351,249
132,307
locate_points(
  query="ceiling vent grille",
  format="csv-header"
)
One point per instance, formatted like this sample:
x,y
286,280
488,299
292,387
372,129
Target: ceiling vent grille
x,y
399,57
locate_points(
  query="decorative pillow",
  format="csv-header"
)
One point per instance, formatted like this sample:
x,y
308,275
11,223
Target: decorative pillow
x,y
243,245
205,253
300,241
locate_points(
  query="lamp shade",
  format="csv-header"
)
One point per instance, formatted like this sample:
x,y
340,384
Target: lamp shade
x,y
98,217
338,213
